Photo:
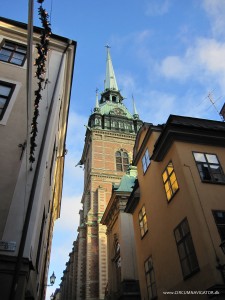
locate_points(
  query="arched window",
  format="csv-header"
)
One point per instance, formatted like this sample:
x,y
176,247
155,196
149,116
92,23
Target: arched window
x,y
122,160
113,98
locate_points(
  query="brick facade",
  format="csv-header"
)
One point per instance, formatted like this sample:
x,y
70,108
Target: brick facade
x,y
111,131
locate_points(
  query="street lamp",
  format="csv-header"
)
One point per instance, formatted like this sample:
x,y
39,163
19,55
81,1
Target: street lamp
x,y
52,279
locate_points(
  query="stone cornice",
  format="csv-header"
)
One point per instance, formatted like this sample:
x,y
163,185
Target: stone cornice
x,y
116,204
116,134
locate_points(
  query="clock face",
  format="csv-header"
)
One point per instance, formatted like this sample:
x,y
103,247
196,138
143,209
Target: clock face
x,y
118,111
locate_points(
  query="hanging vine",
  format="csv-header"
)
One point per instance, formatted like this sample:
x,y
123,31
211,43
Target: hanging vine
x,y
40,63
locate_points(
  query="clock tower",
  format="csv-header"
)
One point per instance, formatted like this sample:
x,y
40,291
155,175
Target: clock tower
x,y
107,153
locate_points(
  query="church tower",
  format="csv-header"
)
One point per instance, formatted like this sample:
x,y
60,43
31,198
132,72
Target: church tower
x,y
107,153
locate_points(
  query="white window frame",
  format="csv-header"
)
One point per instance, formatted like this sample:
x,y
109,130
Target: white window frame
x,y
146,161
8,110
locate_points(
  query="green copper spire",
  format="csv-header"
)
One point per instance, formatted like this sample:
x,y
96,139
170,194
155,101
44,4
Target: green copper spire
x,y
109,112
96,109
135,114
110,78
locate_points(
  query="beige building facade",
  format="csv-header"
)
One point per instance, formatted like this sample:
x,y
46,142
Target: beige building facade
x,y
178,208
30,191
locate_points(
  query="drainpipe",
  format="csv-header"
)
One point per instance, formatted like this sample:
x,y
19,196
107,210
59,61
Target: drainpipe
x,y
33,190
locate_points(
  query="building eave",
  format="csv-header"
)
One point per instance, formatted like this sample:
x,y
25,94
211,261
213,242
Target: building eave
x,y
150,129
36,30
133,198
191,130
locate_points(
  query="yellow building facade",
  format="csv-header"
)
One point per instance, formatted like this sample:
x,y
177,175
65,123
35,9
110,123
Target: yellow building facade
x,y
178,208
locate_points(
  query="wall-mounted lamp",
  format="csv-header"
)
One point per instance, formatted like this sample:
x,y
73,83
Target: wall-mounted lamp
x,y
52,279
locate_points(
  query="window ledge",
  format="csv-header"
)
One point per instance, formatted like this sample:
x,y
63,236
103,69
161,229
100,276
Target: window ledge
x,y
213,182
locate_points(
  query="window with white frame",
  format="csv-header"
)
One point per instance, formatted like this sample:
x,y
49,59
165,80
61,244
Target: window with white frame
x,y
146,161
13,53
6,91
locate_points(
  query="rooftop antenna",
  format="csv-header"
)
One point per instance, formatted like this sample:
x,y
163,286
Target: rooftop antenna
x,y
210,96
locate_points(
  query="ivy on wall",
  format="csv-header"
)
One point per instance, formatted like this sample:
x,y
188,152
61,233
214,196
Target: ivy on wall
x,y
40,63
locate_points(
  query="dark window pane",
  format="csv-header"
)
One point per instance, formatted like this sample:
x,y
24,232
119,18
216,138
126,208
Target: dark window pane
x,y
122,161
6,90
184,227
193,262
185,267
185,247
181,250
13,53
9,46
2,102
21,49
177,234
150,279
219,217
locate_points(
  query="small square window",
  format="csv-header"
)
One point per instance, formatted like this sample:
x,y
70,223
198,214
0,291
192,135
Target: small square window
x,y
13,53
143,221
170,181
146,161
209,167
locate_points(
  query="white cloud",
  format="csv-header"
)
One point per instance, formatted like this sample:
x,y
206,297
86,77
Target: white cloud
x,y
157,7
69,216
126,83
211,55
76,130
156,105
216,11
203,62
133,39
175,67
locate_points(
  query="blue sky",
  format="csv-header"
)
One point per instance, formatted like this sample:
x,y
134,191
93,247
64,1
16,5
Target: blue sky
x,y
168,53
